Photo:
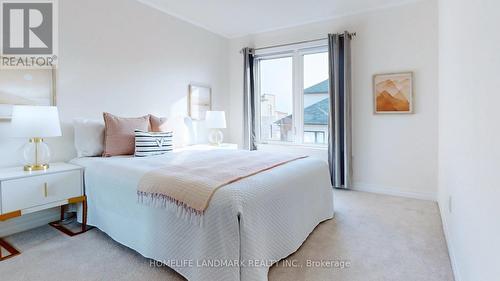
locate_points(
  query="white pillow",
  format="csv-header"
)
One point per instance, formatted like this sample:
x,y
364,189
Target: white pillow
x,y
89,137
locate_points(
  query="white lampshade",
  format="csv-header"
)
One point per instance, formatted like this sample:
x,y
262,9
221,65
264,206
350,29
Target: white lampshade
x,y
35,121
215,119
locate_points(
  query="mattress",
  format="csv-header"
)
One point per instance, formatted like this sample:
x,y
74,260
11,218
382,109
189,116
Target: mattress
x,y
248,226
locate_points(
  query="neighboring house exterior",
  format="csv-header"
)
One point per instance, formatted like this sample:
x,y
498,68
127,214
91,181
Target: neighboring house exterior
x,y
316,112
269,115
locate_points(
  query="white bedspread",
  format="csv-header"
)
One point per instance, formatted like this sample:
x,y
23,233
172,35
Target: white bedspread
x,y
255,221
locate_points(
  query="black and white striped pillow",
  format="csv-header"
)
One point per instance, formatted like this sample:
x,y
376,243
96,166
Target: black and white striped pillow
x,y
152,143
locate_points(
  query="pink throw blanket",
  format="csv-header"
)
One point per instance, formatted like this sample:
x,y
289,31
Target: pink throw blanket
x,y
190,180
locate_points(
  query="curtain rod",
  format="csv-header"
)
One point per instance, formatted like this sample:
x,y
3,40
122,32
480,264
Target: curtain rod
x,y
352,35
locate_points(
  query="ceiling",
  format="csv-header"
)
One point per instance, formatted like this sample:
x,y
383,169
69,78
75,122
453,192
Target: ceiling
x,y
235,18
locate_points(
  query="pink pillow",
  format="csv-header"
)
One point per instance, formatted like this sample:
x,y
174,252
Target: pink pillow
x,y
119,133
158,124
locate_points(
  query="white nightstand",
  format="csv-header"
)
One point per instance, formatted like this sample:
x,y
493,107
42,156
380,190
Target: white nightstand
x,y
27,192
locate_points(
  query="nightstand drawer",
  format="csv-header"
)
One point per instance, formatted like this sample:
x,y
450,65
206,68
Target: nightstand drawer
x,y
23,193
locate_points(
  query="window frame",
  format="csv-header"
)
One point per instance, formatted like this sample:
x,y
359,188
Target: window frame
x,y
297,53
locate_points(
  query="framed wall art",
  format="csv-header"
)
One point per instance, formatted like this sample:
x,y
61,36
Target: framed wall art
x,y
200,101
26,87
393,93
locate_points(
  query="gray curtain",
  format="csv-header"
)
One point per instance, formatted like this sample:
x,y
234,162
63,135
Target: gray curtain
x,y
249,100
340,140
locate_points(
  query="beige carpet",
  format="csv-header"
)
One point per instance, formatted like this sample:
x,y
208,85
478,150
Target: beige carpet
x,y
379,237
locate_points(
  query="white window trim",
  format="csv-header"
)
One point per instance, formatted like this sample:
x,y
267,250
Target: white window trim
x,y
297,53
289,48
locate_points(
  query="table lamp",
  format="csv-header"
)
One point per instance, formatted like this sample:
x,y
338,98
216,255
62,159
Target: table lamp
x,y
36,123
215,120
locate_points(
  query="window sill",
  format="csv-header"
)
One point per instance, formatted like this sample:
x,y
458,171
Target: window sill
x,y
294,145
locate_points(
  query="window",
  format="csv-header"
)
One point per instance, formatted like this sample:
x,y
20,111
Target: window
x,y
315,96
276,99
314,137
292,92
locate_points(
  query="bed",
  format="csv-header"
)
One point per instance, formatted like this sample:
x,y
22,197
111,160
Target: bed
x,y
249,225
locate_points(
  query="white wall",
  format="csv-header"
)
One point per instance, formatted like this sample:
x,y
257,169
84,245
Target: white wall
x,y
469,151
126,58
395,154
129,59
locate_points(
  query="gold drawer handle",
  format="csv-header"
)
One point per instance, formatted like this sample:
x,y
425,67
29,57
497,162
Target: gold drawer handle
x,y
46,189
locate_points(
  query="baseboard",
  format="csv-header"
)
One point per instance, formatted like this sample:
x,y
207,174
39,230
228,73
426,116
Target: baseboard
x,y
28,221
373,188
449,243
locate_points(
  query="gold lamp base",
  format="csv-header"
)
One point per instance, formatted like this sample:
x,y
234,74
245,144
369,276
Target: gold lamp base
x,y
39,167
36,155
